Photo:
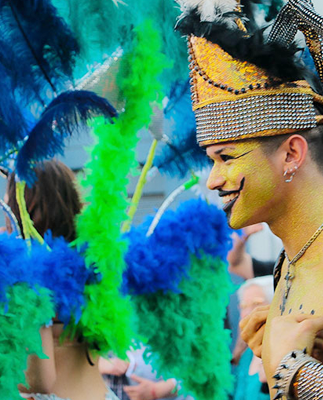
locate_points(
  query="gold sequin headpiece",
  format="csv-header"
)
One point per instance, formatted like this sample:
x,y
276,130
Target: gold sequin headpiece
x,y
235,99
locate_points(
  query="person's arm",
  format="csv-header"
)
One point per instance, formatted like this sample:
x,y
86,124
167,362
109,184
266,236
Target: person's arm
x,y
296,373
41,373
150,390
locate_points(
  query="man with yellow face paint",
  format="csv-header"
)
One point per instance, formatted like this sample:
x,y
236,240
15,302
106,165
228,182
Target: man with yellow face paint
x,y
259,115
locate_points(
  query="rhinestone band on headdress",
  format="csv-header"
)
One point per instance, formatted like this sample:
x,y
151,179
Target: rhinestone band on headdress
x,y
244,117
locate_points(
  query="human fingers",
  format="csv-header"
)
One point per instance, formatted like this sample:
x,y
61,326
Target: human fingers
x,y
311,329
130,389
253,321
255,343
310,324
303,317
296,332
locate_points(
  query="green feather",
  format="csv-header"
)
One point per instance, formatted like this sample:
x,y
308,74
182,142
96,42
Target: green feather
x,y
20,323
106,320
185,331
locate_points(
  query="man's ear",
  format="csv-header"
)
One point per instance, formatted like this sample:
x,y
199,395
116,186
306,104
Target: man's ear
x,y
294,151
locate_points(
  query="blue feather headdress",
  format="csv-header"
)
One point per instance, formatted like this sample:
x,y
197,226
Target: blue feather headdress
x,y
32,266
162,260
40,48
180,287
37,57
179,153
59,120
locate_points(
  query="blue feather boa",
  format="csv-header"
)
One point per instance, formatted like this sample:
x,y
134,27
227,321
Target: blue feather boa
x,y
162,261
61,270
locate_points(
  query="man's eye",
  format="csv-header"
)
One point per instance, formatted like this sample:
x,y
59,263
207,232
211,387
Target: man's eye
x,y
225,157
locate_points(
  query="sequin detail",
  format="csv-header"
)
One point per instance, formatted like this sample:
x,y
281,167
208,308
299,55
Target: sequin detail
x,y
251,115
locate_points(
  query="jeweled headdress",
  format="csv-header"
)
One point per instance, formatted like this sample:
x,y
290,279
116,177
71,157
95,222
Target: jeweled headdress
x,y
243,85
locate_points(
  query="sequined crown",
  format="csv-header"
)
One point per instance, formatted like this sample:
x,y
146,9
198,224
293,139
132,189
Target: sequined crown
x,y
236,92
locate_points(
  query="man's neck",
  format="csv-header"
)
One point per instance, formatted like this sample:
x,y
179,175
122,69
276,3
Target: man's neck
x,y
302,216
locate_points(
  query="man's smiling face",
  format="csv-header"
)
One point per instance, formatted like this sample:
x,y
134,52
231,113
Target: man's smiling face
x,y
247,181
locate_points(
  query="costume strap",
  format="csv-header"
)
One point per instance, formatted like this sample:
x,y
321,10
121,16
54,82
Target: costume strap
x,y
278,268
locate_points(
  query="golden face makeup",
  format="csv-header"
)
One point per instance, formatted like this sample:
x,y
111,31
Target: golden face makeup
x,y
246,180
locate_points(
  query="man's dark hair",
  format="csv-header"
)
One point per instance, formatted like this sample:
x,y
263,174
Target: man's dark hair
x,y
314,138
53,201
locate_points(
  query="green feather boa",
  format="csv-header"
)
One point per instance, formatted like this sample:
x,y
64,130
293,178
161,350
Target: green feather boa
x,y
105,322
20,324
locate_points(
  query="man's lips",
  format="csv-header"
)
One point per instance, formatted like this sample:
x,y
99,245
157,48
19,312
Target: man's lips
x,y
230,196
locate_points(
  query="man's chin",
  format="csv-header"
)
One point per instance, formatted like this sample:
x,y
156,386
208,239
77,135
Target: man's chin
x,y
236,223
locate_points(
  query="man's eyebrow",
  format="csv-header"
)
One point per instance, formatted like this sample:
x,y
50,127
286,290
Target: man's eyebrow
x,y
222,149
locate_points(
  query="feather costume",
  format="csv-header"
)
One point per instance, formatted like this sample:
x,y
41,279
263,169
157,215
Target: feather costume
x,y
234,71
42,47
37,57
92,293
180,287
23,302
100,223
64,116
86,299
101,26
178,153
29,300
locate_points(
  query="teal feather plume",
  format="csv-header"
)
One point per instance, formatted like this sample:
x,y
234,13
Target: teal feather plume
x,y
101,26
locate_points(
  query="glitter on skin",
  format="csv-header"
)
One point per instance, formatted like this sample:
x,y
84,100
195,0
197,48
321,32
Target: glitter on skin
x,y
234,162
295,212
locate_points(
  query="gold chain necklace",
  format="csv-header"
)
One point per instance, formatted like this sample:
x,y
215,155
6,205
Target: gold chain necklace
x,y
291,265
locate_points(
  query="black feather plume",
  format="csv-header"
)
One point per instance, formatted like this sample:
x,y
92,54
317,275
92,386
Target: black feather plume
x,y
279,62
64,116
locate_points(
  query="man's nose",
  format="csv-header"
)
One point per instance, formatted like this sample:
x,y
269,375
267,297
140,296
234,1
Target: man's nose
x,y
216,180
